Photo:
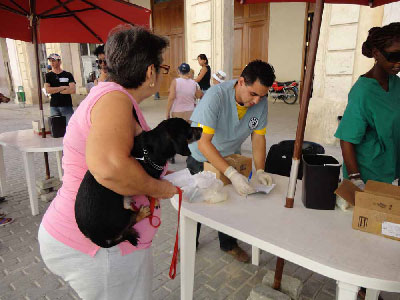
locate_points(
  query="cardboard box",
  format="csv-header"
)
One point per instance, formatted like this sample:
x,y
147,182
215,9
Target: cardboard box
x,y
377,210
241,163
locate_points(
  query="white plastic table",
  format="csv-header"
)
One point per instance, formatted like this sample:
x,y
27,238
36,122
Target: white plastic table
x,y
28,143
321,241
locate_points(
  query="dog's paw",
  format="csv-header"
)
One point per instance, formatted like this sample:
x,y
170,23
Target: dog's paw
x,y
144,212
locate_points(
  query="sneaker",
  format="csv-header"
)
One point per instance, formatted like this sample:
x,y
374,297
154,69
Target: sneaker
x,y
6,221
239,254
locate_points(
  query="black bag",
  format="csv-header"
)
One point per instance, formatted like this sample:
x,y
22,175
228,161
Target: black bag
x,y
57,124
279,158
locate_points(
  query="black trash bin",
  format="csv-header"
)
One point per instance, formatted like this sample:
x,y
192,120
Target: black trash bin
x,y
57,124
320,180
279,158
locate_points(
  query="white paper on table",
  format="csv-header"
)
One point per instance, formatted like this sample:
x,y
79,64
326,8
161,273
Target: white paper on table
x,y
180,178
261,188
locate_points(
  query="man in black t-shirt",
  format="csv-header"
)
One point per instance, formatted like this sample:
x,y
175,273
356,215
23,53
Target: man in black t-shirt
x,y
60,85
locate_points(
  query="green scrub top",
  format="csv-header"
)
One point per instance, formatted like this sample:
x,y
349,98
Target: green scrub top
x,y
371,122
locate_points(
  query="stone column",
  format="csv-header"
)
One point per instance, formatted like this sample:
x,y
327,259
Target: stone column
x,y
25,57
5,71
339,64
209,30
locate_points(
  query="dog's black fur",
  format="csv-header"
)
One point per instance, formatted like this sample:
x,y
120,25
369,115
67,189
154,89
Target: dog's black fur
x,y
100,213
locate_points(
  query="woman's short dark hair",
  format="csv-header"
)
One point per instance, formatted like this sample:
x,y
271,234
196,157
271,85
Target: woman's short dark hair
x,y
99,50
258,69
130,50
381,38
203,57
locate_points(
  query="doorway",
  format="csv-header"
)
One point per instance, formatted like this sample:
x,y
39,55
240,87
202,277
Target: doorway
x,y
168,21
251,30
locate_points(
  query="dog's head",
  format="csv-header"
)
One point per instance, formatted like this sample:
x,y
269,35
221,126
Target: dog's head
x,y
172,137
181,134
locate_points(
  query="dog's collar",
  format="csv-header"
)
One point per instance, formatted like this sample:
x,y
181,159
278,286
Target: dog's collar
x,y
147,159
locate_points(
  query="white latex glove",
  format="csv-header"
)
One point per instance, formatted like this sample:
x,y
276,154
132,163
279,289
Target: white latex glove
x,y
359,183
263,178
239,182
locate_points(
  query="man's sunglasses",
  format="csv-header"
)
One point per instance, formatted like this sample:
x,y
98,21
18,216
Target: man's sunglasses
x,y
392,57
100,61
165,69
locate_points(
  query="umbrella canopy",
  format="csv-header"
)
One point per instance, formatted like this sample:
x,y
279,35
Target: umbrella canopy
x,y
67,21
371,3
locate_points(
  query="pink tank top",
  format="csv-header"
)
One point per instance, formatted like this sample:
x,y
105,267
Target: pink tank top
x,y
59,219
184,95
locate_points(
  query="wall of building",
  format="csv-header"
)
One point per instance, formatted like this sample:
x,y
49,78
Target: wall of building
x,y
339,64
391,13
4,79
209,30
143,3
14,64
286,34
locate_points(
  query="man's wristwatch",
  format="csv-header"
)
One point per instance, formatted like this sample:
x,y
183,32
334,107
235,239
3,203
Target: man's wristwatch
x,y
354,176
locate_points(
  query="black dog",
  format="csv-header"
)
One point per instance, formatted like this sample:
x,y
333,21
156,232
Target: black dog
x,y
100,212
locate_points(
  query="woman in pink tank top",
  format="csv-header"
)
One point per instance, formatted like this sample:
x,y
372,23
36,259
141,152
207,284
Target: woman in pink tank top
x,y
182,94
99,138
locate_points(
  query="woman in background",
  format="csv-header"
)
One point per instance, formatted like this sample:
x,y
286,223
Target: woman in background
x,y
203,79
182,95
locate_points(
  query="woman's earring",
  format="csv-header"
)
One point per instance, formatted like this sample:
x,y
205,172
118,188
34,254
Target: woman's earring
x,y
152,84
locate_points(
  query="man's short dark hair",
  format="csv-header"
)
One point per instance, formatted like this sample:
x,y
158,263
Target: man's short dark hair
x,y
99,50
258,69
130,50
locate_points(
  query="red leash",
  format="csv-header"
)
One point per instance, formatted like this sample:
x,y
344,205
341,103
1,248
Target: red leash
x,y
172,268
151,217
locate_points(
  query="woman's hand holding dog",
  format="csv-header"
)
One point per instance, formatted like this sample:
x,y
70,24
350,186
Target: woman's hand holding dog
x,y
166,190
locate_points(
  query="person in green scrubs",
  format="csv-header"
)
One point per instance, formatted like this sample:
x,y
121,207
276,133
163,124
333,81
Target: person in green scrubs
x,y
369,131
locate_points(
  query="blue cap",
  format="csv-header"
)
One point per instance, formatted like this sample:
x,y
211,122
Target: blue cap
x,y
184,68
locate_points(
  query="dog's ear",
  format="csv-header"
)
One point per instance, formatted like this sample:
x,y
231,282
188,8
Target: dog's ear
x,y
194,134
181,146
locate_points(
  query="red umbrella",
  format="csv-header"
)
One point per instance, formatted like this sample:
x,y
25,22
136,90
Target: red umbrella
x,y
371,3
65,21
305,96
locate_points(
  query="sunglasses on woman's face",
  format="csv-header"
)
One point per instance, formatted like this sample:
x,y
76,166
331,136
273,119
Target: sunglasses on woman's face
x,y
393,57
101,61
165,69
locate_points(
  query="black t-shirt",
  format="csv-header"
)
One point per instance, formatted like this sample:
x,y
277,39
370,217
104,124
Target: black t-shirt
x,y
62,79
204,83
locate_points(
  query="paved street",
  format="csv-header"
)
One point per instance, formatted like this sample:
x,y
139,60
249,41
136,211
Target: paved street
x,y
23,275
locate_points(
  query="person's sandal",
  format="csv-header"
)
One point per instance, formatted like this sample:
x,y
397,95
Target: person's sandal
x,y
6,221
239,254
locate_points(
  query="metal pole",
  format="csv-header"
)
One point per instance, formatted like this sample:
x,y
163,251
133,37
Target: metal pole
x,y
305,99
35,43
301,125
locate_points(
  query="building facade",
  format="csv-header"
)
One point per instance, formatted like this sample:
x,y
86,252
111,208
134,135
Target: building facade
x,y
231,35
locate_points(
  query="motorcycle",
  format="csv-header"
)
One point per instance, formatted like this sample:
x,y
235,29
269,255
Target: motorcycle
x,y
286,91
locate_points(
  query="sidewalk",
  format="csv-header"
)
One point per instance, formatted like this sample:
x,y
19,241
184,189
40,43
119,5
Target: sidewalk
x,y
217,276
